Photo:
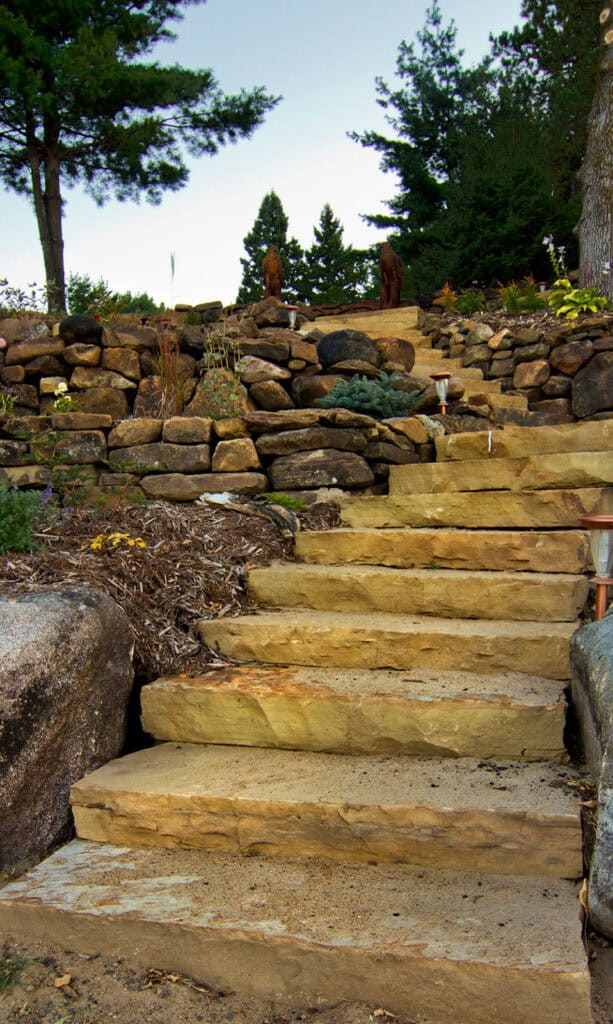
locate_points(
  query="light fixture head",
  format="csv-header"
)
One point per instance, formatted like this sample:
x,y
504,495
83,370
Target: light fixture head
x,y
601,542
293,310
441,381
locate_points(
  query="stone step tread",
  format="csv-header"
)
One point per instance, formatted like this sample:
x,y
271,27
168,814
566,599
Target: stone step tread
x,y
565,551
362,711
441,946
421,711
463,815
383,640
561,507
530,472
445,593
517,442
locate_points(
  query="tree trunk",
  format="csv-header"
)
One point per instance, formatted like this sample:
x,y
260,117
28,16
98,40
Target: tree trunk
x,y
48,208
595,227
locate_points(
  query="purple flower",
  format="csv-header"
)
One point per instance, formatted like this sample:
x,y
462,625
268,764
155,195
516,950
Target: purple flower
x,y
3,342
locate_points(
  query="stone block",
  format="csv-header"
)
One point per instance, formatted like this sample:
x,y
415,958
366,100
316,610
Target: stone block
x,y
187,429
320,468
143,430
162,458
235,456
177,487
122,360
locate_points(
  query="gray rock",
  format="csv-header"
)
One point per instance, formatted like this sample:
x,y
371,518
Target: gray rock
x,y
84,329
320,468
592,672
340,346
287,441
593,386
162,458
65,680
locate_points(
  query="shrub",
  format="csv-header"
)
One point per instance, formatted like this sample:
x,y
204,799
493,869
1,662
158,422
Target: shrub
x,y
19,511
521,297
378,397
569,302
470,301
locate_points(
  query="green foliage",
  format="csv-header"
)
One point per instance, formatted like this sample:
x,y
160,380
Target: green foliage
x,y
82,104
223,394
521,297
435,105
286,501
335,272
570,302
487,156
270,228
19,511
470,300
12,964
377,397
7,403
96,298
13,299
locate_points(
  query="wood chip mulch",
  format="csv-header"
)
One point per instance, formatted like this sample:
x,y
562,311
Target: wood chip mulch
x,y
193,567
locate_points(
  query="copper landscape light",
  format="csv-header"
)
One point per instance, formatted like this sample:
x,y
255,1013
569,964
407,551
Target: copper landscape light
x,y
292,316
442,386
601,543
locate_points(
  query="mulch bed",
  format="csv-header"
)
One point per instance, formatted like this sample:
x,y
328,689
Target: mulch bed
x,y
193,567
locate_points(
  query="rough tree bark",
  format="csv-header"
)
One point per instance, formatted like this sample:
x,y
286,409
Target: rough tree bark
x,y
595,227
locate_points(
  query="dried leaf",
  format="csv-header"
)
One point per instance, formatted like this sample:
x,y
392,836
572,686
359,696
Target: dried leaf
x,y
63,981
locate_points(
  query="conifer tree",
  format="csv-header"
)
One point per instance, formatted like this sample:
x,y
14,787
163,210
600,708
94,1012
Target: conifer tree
x,y
270,228
335,272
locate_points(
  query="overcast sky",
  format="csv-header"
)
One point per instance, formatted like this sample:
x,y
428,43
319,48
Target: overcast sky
x,y
322,56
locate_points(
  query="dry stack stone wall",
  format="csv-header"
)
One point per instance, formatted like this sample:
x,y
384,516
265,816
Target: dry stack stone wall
x,y
244,419
563,369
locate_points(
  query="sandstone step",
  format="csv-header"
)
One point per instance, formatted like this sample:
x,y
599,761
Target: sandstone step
x,y
531,473
566,551
382,323
456,815
361,711
378,640
446,593
438,946
517,442
488,509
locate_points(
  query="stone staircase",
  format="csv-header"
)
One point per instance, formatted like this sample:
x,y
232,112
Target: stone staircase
x,y
377,804
403,323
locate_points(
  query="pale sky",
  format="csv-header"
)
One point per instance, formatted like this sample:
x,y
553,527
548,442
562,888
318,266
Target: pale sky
x,y
322,56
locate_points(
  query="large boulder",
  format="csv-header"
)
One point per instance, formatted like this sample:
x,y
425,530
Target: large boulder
x,y
65,680
592,671
84,330
593,386
345,344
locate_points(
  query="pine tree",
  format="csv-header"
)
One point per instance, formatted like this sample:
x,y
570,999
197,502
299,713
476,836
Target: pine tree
x,y
80,104
270,228
335,272
437,102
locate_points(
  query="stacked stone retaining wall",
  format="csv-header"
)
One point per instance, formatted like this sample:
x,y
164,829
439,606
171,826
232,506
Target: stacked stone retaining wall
x,y
563,369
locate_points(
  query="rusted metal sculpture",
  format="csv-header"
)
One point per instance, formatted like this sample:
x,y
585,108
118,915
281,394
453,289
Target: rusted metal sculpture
x,y
273,273
392,276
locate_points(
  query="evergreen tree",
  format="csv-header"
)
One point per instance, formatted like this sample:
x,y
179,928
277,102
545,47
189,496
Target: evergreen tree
x,y
550,63
270,228
80,104
436,104
487,157
335,272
